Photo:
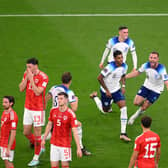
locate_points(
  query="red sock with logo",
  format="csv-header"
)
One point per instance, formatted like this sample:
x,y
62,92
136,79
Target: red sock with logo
x,y
30,137
37,145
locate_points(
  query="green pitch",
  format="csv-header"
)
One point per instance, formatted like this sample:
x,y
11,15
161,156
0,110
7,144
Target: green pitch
x,y
76,44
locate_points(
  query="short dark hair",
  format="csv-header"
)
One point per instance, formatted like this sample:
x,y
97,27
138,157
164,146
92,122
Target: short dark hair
x,y
122,27
63,94
116,53
11,99
33,61
66,77
146,121
155,52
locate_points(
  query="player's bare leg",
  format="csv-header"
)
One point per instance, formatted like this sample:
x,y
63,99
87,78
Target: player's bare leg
x,y
55,164
123,117
65,164
27,132
143,103
8,164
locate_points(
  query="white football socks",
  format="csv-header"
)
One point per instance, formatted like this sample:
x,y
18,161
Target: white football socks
x,y
98,103
123,118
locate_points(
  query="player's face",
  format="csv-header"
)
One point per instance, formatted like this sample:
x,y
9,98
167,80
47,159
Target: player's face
x,y
6,104
62,100
153,59
31,67
123,34
119,59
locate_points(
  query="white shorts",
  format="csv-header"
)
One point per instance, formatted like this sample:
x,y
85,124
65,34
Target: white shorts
x,y
59,153
35,118
3,154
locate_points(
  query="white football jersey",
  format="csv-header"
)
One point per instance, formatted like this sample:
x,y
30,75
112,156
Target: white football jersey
x,y
154,77
114,44
61,88
112,76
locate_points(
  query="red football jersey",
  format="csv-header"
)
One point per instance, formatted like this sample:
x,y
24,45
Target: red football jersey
x,y
146,144
9,122
63,122
33,102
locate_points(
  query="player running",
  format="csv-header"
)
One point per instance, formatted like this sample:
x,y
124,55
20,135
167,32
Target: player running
x,y
156,77
110,90
122,43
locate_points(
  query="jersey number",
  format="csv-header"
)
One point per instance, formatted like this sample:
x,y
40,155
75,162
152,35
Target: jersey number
x,y
55,101
58,122
150,150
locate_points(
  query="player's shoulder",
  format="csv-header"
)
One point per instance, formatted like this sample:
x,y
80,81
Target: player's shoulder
x,y
13,115
70,112
129,41
114,40
146,65
112,65
43,75
160,68
124,65
139,137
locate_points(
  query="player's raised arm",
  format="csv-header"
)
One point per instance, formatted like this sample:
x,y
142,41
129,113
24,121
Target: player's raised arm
x,y
105,53
23,83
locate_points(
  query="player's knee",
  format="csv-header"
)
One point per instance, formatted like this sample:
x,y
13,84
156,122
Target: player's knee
x,y
136,103
106,109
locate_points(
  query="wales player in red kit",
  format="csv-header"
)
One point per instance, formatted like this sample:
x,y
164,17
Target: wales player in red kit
x,y
63,120
35,83
147,147
9,122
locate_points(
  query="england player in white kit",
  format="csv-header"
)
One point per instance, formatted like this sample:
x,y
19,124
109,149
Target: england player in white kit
x,y
122,43
73,101
110,78
156,77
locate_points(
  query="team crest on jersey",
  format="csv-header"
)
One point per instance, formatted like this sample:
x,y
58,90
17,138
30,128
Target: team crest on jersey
x,y
65,118
36,80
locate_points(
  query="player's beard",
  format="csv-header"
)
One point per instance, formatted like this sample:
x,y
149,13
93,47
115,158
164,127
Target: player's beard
x,y
6,108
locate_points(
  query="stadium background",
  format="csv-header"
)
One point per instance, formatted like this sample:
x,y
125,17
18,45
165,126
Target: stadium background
x,y
76,44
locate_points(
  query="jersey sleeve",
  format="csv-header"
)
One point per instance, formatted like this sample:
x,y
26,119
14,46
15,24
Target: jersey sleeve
x,y
109,44
73,121
44,81
132,46
137,145
71,96
14,120
142,68
106,71
164,74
